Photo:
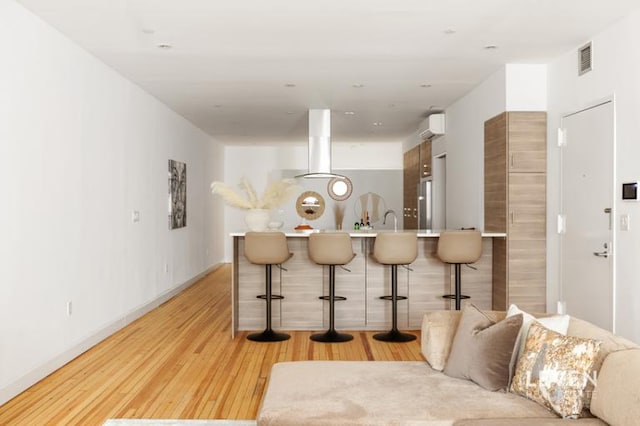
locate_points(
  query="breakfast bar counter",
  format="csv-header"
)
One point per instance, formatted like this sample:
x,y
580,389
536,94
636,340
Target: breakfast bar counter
x,y
302,282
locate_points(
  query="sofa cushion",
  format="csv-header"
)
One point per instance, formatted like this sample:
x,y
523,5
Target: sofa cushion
x,y
380,393
616,398
438,330
553,370
481,349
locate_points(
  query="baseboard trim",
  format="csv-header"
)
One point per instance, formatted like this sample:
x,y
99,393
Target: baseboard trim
x,y
39,373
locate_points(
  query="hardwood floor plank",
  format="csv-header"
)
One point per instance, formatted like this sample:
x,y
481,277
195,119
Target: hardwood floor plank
x,y
179,361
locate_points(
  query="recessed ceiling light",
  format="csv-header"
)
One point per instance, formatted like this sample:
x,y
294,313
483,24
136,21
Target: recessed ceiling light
x,y
449,31
426,86
218,105
164,46
377,123
490,47
358,85
148,30
349,113
289,85
290,112
392,105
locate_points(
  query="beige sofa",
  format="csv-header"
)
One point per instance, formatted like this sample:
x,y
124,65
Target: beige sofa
x,y
413,393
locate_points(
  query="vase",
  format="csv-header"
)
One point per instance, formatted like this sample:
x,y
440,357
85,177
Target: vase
x,y
257,219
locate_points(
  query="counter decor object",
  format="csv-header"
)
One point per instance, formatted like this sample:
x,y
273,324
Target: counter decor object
x,y
338,213
246,198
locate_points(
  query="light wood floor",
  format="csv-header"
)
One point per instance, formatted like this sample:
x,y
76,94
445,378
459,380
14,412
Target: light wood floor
x,y
179,361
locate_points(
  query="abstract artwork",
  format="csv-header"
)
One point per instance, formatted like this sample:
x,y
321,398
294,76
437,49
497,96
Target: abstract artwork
x,y
177,194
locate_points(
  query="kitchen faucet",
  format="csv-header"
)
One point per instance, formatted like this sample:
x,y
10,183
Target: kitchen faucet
x,y
395,219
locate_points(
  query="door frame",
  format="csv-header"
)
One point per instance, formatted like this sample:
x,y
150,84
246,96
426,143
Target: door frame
x,y
614,233
438,183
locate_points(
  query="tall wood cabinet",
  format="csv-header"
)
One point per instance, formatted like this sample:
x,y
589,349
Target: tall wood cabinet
x,y
425,159
417,165
515,203
411,179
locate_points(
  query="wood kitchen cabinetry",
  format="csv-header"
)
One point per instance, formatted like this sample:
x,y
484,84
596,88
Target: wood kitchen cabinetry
x,y
411,179
417,165
425,159
515,203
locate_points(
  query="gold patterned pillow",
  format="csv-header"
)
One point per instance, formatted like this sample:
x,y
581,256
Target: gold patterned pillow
x,y
554,369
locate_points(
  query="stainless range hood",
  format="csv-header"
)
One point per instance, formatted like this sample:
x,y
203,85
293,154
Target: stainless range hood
x,y
319,145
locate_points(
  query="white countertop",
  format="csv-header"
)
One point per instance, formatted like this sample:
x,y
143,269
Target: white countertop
x,y
371,234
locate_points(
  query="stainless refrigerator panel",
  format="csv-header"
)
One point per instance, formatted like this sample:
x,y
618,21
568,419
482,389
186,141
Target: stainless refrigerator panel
x,y
425,196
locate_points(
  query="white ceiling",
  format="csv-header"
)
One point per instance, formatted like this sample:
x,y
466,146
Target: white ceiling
x,y
230,60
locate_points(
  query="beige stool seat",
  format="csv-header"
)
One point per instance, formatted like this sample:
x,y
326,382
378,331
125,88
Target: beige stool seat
x,y
457,248
267,248
331,249
395,248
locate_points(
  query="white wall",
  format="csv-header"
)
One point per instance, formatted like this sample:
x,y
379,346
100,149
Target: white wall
x,y
375,167
464,145
526,87
82,148
616,71
514,87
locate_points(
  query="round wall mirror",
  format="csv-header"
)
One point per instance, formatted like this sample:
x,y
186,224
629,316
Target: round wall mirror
x,y
340,188
310,205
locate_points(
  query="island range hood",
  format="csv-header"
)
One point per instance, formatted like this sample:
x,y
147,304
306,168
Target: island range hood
x,y
319,145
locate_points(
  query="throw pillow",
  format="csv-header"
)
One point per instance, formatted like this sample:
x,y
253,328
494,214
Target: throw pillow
x,y
481,349
557,323
438,330
554,370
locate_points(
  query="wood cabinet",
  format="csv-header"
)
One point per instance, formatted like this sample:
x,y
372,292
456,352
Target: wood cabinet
x,y
425,159
515,203
416,165
411,179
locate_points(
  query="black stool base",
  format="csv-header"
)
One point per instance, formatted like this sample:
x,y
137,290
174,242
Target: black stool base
x,y
453,296
394,336
331,336
268,336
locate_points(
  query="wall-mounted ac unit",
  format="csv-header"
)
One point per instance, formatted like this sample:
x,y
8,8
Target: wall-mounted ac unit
x,y
434,127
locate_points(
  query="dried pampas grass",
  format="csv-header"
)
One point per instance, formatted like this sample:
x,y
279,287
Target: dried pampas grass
x,y
275,195
338,212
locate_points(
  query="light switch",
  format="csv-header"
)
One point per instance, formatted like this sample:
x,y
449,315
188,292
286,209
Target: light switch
x,y
135,216
624,222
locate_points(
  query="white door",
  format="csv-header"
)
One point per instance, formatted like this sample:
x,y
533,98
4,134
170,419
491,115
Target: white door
x,y
587,201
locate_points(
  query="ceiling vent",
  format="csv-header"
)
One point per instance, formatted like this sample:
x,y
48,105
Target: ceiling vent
x,y
584,59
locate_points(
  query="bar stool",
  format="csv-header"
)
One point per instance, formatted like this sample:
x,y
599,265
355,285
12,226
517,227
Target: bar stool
x,y
267,248
456,248
395,248
331,248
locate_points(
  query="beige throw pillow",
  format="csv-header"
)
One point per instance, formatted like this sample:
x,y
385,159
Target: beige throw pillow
x,y
438,331
553,370
481,349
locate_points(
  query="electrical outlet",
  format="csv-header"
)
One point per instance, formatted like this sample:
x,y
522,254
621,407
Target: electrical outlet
x,y
166,268
562,307
69,308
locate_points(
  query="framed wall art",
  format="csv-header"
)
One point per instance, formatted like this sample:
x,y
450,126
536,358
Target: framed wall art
x,y
177,194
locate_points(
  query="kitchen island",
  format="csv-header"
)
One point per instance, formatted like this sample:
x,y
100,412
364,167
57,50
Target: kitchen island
x,y
302,282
